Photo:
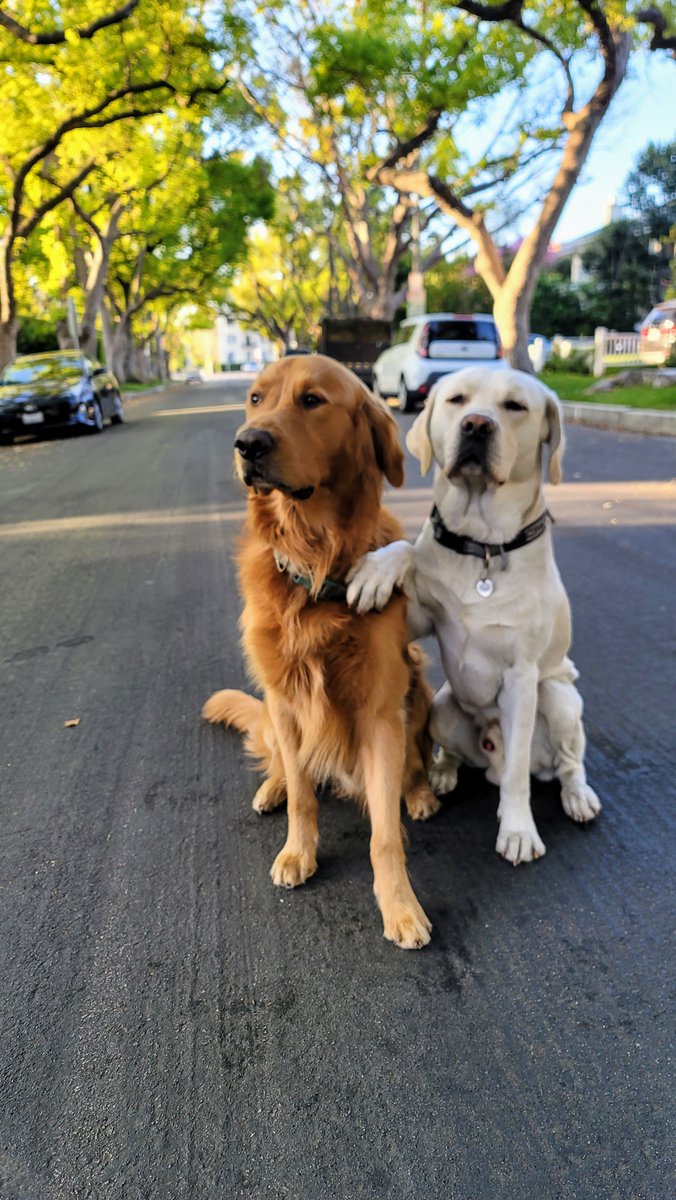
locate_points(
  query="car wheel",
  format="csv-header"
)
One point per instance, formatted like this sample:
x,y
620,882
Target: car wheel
x,y
6,439
118,416
96,416
407,400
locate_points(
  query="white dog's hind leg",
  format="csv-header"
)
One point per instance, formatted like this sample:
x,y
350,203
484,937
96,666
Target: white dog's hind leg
x,y
457,736
560,704
518,839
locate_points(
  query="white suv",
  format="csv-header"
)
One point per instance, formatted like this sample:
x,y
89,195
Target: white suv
x,y
427,347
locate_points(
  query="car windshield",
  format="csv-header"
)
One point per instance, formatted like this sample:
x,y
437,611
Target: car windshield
x,y
461,331
37,369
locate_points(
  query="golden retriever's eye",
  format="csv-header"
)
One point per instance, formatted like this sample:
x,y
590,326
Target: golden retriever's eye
x,y
455,399
309,400
514,406
255,397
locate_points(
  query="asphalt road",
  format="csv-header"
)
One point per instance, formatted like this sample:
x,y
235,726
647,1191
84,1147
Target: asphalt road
x,y
175,1028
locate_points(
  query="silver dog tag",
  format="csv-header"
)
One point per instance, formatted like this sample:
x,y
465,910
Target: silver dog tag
x,y
485,587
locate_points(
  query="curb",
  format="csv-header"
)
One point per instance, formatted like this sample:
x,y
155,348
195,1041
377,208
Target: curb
x,y
617,416
160,387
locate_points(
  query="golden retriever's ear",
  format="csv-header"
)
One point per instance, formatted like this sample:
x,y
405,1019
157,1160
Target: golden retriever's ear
x,y
385,434
554,437
418,438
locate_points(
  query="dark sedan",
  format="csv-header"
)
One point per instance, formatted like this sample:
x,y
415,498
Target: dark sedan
x,y
63,389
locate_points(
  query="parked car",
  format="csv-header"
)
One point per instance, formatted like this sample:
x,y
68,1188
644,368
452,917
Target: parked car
x,y
188,375
427,347
58,390
658,334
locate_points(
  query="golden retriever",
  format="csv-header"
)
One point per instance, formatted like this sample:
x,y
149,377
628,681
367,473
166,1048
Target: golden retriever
x,y
344,694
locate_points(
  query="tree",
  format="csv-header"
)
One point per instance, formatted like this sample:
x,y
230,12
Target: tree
x,y
338,88
281,289
558,308
59,96
651,188
624,283
181,239
455,287
514,46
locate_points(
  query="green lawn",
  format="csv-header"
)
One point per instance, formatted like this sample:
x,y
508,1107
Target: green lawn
x,y
574,387
140,387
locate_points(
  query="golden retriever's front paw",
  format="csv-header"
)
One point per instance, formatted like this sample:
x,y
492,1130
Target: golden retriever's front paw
x,y
405,924
421,803
269,796
291,868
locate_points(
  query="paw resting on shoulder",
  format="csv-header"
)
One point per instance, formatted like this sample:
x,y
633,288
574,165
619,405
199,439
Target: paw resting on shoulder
x,y
374,578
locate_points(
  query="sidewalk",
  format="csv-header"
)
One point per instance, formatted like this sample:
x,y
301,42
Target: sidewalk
x,y
619,417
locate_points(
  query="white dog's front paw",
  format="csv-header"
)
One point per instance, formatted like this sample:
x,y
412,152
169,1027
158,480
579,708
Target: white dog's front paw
x,y
519,844
580,802
443,774
374,578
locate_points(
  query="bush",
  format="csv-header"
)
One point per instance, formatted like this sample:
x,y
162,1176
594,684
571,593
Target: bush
x,y
578,362
35,336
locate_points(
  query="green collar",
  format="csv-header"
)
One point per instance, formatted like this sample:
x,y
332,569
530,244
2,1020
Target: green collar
x,y
330,589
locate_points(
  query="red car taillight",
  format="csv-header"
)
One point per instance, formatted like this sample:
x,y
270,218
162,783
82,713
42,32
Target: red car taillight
x,y
423,348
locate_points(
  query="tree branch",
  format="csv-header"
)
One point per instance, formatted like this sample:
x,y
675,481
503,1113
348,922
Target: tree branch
x,y
57,37
660,39
26,227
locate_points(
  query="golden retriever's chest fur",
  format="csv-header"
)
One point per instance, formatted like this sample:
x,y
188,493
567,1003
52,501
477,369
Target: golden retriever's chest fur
x,y
327,662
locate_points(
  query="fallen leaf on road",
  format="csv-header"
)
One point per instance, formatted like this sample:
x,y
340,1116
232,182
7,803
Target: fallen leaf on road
x,y
70,724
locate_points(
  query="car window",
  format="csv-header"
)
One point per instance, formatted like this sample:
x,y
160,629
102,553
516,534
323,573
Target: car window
x,y
658,315
461,331
31,371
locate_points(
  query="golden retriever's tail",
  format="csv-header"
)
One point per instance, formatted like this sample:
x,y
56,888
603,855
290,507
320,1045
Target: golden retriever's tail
x,y
248,715
234,708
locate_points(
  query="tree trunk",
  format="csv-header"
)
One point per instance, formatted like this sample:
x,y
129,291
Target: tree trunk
x,y
97,275
108,335
121,350
8,332
9,324
512,317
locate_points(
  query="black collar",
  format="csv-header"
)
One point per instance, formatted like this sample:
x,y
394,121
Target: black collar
x,y
486,550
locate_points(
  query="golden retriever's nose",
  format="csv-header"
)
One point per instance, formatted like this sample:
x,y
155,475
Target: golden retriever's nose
x,y
254,443
474,425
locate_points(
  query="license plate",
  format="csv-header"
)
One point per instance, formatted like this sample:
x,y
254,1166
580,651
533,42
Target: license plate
x,y
32,418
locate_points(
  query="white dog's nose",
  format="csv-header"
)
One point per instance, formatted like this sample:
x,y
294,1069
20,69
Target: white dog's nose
x,y
475,425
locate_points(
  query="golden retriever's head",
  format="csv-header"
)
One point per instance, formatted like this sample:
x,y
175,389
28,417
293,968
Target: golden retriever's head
x,y
486,426
311,424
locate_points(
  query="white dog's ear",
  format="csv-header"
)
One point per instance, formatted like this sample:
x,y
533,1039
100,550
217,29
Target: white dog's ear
x,y
418,438
554,437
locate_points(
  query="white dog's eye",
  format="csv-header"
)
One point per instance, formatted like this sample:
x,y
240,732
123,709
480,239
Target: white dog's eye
x,y
455,399
514,406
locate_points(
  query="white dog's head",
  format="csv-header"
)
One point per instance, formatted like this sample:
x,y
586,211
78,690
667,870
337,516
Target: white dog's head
x,y
489,426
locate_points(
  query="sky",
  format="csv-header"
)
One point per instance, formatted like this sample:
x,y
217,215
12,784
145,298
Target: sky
x,y
643,111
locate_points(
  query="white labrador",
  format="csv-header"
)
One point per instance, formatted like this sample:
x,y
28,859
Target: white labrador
x,y
500,614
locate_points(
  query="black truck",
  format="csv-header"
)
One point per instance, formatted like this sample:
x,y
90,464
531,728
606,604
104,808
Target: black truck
x,y
356,342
